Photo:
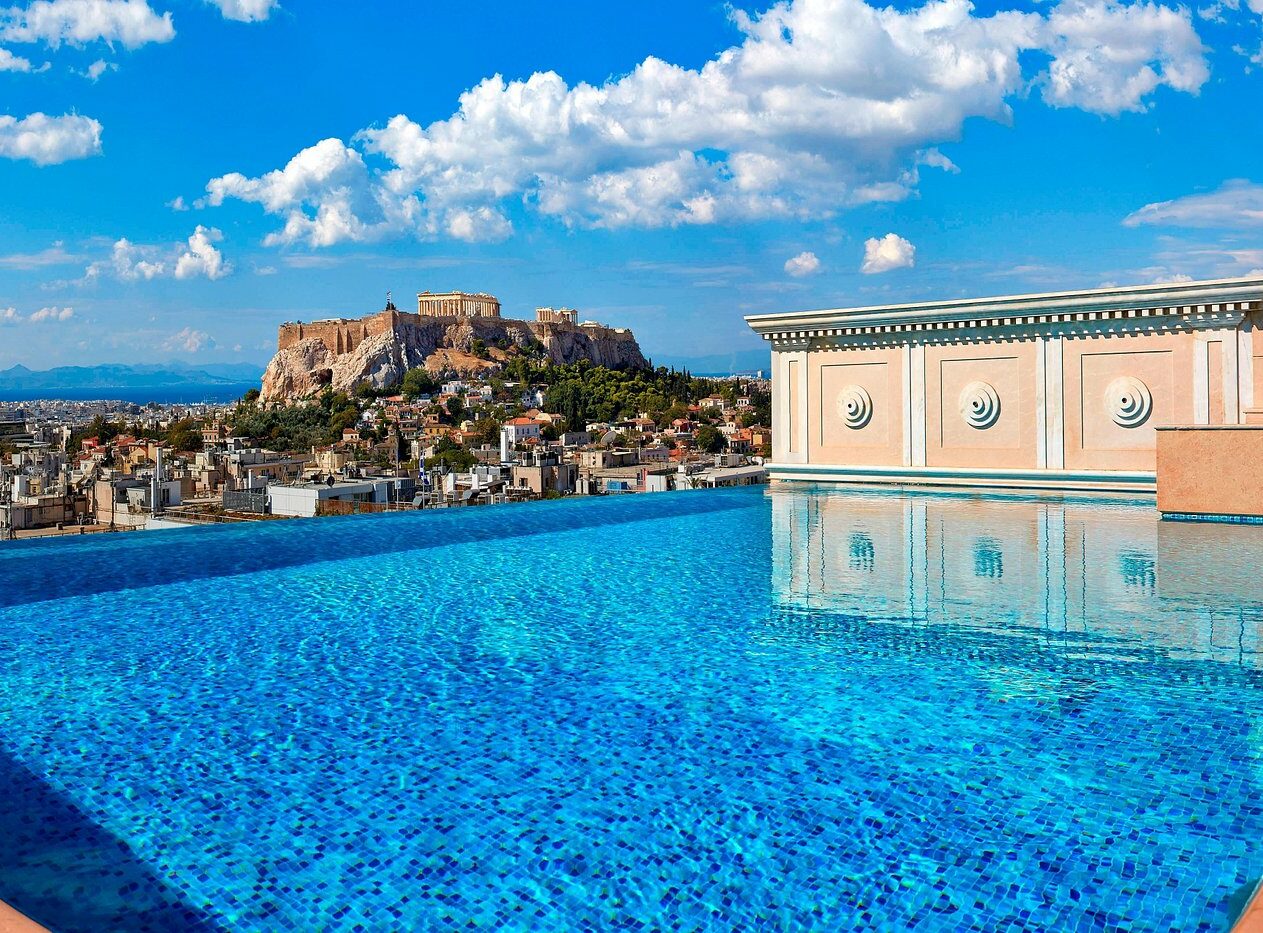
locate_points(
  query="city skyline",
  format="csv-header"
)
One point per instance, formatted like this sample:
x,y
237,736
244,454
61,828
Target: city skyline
x,y
173,193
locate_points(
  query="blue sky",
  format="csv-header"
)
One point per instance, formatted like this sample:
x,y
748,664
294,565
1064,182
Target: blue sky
x,y
179,177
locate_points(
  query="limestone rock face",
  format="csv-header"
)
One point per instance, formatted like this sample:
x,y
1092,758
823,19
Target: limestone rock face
x,y
441,345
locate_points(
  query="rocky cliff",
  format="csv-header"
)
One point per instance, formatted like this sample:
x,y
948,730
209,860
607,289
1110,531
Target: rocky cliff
x,y
441,345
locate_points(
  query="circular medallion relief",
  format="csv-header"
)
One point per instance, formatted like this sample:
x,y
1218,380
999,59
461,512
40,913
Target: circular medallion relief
x,y
855,406
979,405
1128,401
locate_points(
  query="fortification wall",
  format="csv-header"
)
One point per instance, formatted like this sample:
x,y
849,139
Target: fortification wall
x,y
340,335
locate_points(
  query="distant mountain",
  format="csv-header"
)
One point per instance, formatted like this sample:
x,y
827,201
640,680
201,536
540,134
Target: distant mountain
x,y
720,364
118,376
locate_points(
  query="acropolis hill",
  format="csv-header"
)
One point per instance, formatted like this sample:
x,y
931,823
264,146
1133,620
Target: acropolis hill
x,y
380,348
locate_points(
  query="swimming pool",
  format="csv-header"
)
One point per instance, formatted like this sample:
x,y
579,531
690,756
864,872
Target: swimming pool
x,y
786,708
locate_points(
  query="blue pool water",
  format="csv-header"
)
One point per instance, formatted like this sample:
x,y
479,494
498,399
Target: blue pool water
x,y
781,709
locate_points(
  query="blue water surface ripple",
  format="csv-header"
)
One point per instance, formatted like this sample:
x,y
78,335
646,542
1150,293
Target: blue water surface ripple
x,y
757,709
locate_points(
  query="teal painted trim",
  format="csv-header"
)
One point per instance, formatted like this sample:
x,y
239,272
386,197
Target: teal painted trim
x,y
1136,481
1212,517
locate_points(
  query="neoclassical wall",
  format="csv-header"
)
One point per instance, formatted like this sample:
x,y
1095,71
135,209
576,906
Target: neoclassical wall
x,y
1043,392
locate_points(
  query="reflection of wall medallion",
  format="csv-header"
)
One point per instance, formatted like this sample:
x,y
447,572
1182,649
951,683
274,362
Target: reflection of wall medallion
x,y
863,553
1128,401
988,559
1138,570
979,405
855,406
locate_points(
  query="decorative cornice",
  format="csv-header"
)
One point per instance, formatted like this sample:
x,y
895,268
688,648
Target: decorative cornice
x,y
1143,309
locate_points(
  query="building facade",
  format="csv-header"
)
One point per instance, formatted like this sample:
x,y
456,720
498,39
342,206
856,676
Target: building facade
x,y
1061,390
557,316
457,304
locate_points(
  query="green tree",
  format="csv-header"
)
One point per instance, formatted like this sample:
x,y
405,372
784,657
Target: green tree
x,y
418,382
447,453
185,434
487,430
709,439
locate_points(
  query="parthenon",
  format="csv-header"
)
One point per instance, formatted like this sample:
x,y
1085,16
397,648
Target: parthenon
x,y
457,304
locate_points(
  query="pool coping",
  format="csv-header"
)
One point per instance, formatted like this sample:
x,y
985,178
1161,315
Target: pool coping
x,y
1251,919
12,921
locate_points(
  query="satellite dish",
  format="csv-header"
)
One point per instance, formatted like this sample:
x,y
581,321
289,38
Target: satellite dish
x,y
329,481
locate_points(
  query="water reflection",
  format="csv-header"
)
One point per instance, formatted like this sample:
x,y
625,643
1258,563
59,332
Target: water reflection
x,y
1098,580
988,559
862,554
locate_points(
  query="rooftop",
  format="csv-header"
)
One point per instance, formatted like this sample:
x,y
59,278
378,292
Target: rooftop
x,y
1210,296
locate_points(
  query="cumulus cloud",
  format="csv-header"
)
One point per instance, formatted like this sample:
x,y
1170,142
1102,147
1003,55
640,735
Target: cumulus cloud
x,y
9,315
201,258
137,262
825,104
805,263
886,253
1109,57
130,262
47,140
188,341
11,62
51,314
245,11
1237,203
130,23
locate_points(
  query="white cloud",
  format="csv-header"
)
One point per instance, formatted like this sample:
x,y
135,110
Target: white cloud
x,y
188,341
1237,203
265,270
1171,278
51,314
803,264
135,262
177,203
825,104
9,315
201,257
889,252
245,11
130,262
94,71
54,255
47,140
1109,57
11,62
131,23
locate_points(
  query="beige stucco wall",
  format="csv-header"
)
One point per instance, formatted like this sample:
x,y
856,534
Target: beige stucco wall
x,y
1211,470
879,371
1093,440
951,441
1053,395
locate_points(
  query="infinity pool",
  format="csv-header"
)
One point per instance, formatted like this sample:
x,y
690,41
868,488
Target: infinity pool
x,y
782,709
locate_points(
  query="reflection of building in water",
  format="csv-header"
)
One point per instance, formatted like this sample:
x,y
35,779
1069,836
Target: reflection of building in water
x,y
861,552
988,558
1097,578
1057,390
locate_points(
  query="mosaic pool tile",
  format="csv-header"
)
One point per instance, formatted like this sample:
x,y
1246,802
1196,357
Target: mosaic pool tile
x,y
795,709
